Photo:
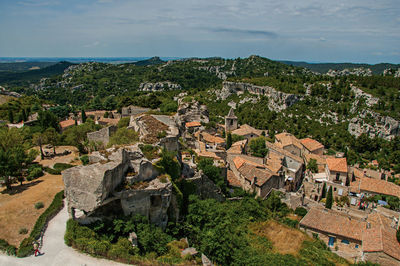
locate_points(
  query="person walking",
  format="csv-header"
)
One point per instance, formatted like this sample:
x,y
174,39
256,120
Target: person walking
x,y
36,248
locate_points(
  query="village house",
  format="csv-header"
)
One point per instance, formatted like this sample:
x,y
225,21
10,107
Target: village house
x,y
312,146
320,160
371,187
192,126
336,230
255,176
336,170
247,132
289,143
238,147
66,124
372,239
292,165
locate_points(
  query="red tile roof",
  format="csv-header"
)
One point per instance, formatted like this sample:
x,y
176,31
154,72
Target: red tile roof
x,y
311,144
232,179
333,223
337,164
193,124
286,139
212,139
246,130
381,237
379,186
67,123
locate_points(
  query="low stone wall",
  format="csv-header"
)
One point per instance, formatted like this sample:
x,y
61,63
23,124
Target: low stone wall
x,y
206,188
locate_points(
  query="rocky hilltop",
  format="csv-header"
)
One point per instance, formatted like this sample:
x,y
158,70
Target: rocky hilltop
x,y
159,86
277,100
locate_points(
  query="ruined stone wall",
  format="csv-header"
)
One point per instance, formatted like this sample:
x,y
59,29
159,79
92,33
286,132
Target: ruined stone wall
x,y
206,188
103,135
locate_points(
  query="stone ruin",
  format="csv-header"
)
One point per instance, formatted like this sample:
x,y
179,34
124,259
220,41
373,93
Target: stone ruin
x,y
191,111
102,136
117,181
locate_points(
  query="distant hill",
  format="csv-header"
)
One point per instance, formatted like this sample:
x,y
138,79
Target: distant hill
x,y
324,67
149,62
19,78
24,66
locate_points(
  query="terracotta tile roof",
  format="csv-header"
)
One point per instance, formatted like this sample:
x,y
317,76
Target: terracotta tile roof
x,y
333,223
250,171
337,164
379,186
67,123
239,161
246,130
286,139
311,144
232,179
279,150
237,147
202,152
358,173
274,162
321,161
212,139
381,237
192,124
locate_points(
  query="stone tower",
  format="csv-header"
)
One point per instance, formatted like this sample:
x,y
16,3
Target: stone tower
x,y
231,121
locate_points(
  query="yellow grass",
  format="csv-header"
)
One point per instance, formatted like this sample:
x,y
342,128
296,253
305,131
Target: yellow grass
x,y
285,240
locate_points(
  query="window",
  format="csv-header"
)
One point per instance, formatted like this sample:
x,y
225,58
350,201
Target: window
x,y
356,245
331,241
337,177
334,189
345,241
231,121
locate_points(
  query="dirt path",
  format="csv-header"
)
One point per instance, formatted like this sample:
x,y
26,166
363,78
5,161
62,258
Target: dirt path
x,y
55,251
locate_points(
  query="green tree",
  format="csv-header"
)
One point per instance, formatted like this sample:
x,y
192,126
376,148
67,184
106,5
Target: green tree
x,y
312,165
323,194
83,114
258,147
52,137
229,140
47,119
329,199
10,116
124,136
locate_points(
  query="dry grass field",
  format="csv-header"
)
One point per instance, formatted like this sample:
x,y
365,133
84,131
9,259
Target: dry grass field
x,y
17,208
285,240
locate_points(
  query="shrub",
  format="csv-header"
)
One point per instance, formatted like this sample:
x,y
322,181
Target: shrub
x,y
34,173
62,166
23,231
25,248
290,222
300,211
39,205
85,159
52,171
7,248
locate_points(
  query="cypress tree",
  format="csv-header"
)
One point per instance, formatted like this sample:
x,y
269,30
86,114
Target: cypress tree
x,y
229,140
10,116
323,191
83,116
329,199
24,117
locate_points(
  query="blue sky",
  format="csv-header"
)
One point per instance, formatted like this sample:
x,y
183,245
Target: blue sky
x,y
314,31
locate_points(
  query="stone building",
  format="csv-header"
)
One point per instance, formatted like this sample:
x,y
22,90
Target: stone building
x,y
336,170
247,132
289,143
102,136
133,111
231,121
312,146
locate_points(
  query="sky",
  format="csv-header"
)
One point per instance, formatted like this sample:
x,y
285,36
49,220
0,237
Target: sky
x,y
359,31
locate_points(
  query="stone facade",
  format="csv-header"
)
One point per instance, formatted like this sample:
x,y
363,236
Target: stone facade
x,y
133,111
381,258
231,121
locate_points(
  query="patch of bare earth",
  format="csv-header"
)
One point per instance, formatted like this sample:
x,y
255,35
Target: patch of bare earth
x,y
17,208
285,240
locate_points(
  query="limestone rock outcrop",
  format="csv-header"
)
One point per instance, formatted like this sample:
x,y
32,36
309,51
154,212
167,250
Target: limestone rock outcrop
x,y
277,100
380,126
159,86
119,181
